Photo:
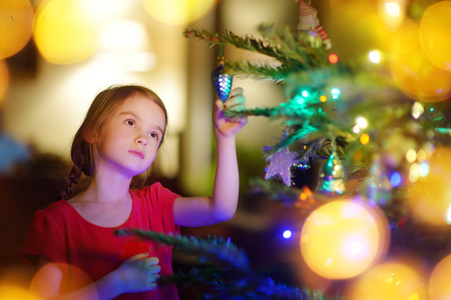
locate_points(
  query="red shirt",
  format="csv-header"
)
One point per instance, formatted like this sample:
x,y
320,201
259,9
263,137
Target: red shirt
x,y
60,234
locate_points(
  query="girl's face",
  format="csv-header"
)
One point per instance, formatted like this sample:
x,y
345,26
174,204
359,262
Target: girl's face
x,y
129,139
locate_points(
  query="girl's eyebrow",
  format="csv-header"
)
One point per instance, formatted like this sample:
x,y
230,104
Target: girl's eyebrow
x,y
130,113
138,118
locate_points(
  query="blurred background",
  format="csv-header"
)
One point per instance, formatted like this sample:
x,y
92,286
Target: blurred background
x,y
56,55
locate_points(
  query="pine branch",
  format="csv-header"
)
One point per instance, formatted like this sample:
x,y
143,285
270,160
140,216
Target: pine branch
x,y
299,46
228,276
246,42
294,51
256,71
255,287
214,250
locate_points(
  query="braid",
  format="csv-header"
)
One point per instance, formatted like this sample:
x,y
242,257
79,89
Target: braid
x,y
73,178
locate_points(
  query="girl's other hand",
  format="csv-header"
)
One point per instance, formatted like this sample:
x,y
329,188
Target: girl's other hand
x,y
230,126
139,273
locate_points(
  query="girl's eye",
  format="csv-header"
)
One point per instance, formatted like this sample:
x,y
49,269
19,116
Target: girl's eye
x,y
130,123
154,135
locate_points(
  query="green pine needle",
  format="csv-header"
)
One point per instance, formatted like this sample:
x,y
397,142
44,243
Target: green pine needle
x,y
215,250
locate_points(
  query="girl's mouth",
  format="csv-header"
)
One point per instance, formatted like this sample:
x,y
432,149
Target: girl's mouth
x,y
137,153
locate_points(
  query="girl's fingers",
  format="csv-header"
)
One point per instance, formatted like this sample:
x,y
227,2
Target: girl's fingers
x,y
137,257
150,261
154,269
151,286
235,103
144,261
154,278
236,100
235,92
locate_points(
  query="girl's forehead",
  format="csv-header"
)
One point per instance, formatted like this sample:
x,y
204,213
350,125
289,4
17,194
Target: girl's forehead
x,y
140,101
141,105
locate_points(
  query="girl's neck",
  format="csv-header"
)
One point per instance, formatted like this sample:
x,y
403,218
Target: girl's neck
x,y
107,190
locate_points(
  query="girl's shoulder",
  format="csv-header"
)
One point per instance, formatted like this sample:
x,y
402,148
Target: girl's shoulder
x,y
58,207
153,188
57,212
155,193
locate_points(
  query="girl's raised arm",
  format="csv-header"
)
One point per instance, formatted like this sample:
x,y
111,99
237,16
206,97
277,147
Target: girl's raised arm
x,y
221,206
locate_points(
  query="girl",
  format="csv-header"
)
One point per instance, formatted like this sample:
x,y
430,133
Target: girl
x,y
72,241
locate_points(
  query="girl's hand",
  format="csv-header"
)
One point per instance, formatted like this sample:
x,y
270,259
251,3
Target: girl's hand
x,y
139,273
230,126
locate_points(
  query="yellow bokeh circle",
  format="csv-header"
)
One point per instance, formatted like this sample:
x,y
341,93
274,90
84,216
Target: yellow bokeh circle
x,y
65,31
15,292
439,286
435,34
412,71
78,278
16,24
429,197
388,281
178,12
343,238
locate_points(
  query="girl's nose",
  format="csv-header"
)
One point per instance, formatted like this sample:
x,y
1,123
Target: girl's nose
x,y
142,140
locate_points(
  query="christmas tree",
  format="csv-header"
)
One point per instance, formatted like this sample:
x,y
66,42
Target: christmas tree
x,y
377,221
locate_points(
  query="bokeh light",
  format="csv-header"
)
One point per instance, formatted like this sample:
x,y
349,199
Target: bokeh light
x,y
362,122
388,281
395,179
364,138
374,56
417,110
439,287
393,9
66,31
343,238
287,234
412,71
435,34
429,197
335,92
4,79
78,279
392,12
12,291
14,282
411,155
333,58
16,26
125,43
178,12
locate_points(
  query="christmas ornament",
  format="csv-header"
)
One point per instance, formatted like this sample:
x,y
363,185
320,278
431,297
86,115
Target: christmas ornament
x,y
280,164
309,22
331,179
222,82
377,187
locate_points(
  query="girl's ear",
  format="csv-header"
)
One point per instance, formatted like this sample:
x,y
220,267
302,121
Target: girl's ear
x,y
90,137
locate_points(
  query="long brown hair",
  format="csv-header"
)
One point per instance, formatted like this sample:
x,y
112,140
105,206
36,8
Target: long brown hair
x,y
83,153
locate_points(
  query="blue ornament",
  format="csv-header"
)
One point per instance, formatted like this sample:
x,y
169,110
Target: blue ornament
x,y
222,82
